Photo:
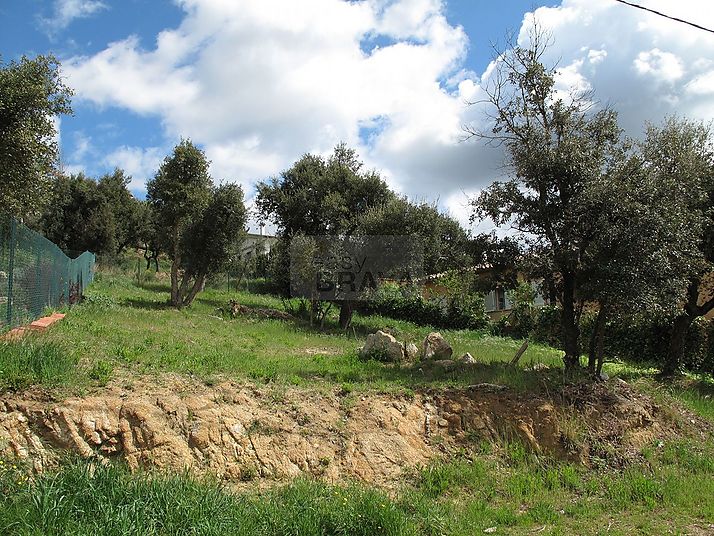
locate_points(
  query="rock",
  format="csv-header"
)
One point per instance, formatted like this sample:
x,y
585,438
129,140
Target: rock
x,y
411,351
603,377
382,347
539,366
435,347
468,359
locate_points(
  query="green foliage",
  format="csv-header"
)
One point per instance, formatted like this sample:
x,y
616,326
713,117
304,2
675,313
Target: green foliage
x,y
456,311
32,93
213,239
444,241
32,362
317,197
199,226
82,216
126,209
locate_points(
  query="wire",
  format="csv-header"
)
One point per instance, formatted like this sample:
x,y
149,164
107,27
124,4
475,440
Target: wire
x,y
666,16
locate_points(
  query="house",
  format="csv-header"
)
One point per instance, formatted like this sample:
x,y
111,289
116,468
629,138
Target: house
x,y
258,244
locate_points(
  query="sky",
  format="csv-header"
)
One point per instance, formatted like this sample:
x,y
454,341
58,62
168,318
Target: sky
x,y
256,84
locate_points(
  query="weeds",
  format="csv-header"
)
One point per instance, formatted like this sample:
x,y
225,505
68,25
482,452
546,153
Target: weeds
x,y
32,361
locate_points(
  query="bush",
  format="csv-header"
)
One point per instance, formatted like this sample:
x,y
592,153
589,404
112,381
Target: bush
x,y
642,338
462,311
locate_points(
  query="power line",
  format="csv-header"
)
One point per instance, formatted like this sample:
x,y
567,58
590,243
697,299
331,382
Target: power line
x,y
665,16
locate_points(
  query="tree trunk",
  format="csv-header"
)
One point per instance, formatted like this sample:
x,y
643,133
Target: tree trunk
x,y
346,314
175,297
571,359
596,340
678,340
183,288
197,287
175,263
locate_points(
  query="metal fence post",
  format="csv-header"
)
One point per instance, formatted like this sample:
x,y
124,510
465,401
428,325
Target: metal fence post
x,y
11,270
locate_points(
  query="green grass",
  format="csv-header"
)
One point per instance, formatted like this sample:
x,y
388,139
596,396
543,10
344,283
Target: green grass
x,y
35,361
123,326
516,492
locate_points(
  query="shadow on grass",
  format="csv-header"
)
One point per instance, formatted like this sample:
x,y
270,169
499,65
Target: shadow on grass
x,y
151,305
425,375
156,287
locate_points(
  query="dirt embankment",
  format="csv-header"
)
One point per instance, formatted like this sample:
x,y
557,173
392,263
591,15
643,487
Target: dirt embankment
x,y
242,432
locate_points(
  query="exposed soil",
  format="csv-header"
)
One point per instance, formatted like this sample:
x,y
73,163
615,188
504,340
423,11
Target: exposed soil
x,y
240,432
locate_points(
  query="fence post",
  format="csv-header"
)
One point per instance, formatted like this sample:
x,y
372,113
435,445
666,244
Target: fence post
x,y
11,269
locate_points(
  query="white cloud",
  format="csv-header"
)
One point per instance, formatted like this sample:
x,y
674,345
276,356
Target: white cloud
x,y
260,83
66,11
141,163
663,65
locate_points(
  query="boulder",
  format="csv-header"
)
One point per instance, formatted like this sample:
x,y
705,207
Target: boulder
x,y
435,347
468,359
382,347
411,351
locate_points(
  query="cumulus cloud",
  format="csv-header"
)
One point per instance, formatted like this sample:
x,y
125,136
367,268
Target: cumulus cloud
x,y
140,163
257,84
66,11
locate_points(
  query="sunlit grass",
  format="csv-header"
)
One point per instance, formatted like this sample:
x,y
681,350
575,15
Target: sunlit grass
x,y
509,489
133,328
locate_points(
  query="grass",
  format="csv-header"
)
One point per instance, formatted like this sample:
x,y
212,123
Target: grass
x,y
33,361
516,492
123,326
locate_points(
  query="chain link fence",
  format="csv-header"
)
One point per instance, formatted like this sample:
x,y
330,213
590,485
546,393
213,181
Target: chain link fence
x,y
36,274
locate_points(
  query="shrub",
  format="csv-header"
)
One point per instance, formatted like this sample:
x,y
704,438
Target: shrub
x,y
460,311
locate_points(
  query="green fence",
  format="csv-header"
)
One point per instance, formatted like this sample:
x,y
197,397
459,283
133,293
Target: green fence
x,y
36,274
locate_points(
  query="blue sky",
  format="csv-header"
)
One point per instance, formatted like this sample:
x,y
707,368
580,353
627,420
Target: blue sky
x,y
257,84
26,28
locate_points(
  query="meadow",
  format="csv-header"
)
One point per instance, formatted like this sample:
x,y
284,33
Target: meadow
x,y
125,330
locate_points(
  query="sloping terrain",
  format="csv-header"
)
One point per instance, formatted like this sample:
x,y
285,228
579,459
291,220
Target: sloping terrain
x,y
241,431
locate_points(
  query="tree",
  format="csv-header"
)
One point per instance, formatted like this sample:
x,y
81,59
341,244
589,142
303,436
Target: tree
x,y
555,149
681,153
147,234
83,214
444,241
213,240
178,194
79,218
317,197
644,237
195,223
32,94
125,207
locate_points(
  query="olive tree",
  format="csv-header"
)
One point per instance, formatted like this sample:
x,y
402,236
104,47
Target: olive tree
x,y
556,147
195,223
32,94
318,196
680,153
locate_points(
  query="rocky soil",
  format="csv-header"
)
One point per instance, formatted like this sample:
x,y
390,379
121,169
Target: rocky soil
x,y
242,432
